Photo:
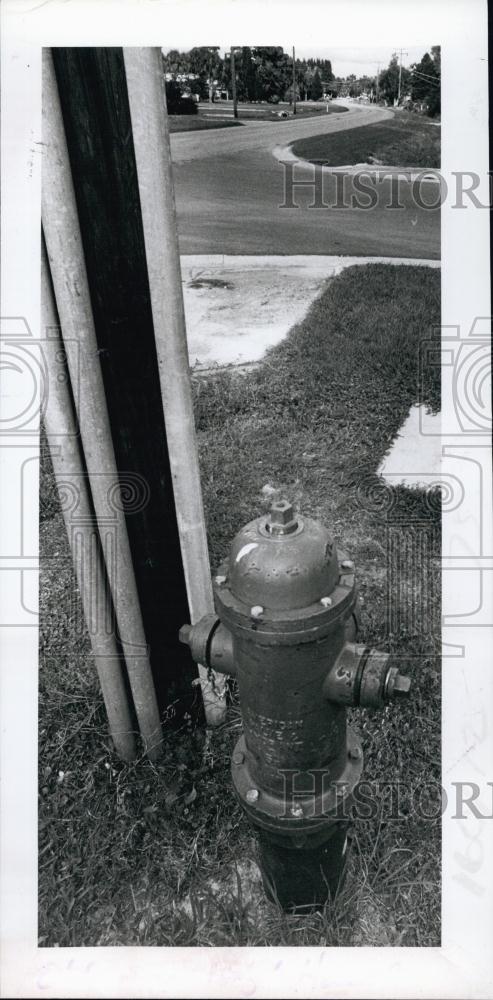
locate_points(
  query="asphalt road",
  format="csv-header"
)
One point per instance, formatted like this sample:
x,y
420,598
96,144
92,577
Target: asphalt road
x,y
230,191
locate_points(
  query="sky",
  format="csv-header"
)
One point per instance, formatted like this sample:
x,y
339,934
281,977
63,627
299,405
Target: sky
x,y
364,62
360,61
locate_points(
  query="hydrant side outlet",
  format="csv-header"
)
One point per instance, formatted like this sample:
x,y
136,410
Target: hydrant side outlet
x,y
286,625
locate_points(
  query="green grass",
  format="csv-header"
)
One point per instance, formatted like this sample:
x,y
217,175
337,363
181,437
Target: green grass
x,y
162,854
246,112
269,112
190,123
404,141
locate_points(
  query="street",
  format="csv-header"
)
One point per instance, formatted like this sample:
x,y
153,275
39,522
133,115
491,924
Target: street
x,y
229,189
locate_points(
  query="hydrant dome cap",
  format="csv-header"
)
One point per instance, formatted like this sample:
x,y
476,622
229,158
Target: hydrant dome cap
x,y
280,571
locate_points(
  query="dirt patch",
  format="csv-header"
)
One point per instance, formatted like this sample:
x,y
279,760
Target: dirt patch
x,y
211,283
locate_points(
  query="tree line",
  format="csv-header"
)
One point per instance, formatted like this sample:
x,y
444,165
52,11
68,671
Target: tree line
x,y
419,83
265,73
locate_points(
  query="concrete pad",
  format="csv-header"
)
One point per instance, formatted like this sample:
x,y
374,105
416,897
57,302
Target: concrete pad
x,y
236,307
414,460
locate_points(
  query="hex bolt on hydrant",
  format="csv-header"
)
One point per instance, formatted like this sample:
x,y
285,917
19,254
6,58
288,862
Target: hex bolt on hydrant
x,y
286,628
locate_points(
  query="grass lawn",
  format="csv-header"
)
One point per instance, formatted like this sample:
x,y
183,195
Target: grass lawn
x,y
162,854
246,112
193,123
268,112
407,140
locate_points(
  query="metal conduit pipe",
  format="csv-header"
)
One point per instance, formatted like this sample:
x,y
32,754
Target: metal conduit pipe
x,y
147,99
68,270
60,424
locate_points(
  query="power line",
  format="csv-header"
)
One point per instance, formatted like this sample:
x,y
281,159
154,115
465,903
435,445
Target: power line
x,y
432,79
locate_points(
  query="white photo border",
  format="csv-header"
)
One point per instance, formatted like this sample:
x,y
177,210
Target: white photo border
x,y
463,965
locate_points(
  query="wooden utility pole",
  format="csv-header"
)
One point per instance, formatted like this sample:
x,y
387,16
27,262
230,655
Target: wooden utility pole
x,y
98,126
402,52
294,83
210,78
233,83
377,84
77,309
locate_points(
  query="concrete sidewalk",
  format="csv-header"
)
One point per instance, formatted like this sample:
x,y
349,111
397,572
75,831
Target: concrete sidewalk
x,y
237,307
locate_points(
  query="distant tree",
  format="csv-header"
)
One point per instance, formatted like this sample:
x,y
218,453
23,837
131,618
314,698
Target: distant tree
x,y
367,84
316,89
288,96
436,56
389,80
301,78
225,75
425,86
245,71
245,74
176,63
206,62
263,72
273,72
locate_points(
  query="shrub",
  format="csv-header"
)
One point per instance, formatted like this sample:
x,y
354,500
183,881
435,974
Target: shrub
x,y
176,104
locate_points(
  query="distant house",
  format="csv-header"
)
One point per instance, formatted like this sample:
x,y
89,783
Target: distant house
x,y
184,78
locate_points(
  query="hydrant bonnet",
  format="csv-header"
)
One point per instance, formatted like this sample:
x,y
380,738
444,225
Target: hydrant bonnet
x,y
282,562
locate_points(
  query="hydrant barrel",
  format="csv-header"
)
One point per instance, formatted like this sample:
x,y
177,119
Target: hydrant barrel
x,y
286,723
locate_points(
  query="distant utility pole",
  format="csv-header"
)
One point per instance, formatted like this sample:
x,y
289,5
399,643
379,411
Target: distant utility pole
x,y
210,77
377,84
233,82
402,52
294,83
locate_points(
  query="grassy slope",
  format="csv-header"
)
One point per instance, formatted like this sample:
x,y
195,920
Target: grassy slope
x,y
261,112
190,123
247,113
145,854
405,141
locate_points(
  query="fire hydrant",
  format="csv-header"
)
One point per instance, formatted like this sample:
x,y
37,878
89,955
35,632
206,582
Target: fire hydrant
x,y
286,629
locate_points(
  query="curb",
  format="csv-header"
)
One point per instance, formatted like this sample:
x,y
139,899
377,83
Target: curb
x,y
428,175
319,262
